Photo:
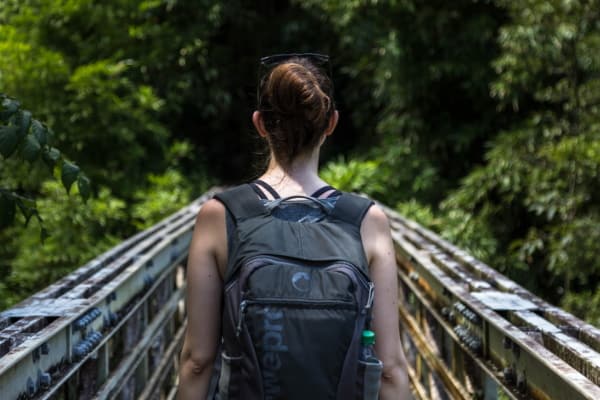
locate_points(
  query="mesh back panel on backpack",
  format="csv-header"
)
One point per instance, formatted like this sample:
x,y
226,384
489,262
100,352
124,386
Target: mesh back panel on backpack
x,y
297,297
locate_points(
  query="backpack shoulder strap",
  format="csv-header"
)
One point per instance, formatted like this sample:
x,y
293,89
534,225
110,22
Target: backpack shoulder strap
x,y
351,208
242,202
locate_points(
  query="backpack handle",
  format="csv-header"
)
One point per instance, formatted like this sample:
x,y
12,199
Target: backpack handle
x,y
275,203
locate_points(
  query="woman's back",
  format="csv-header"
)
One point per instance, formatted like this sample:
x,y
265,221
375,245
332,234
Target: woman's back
x,y
295,115
297,298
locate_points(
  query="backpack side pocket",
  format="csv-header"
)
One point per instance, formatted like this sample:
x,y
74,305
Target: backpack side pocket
x,y
229,380
369,379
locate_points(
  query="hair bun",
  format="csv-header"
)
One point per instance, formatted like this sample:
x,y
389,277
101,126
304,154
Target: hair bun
x,y
295,91
296,101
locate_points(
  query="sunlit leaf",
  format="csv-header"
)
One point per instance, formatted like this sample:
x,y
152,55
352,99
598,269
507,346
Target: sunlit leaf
x,y
39,131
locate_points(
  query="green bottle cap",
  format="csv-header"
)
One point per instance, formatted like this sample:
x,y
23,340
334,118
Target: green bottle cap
x,y
368,337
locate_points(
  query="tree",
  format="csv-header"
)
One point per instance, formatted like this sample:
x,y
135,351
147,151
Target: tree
x,y
537,192
418,88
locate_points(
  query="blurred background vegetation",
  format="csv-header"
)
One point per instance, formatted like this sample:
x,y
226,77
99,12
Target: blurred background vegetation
x,y
479,119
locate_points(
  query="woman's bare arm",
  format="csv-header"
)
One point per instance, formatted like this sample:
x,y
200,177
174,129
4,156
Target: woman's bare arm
x,y
203,301
379,247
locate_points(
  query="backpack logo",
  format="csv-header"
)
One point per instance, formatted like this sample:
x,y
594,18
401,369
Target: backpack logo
x,y
301,281
272,343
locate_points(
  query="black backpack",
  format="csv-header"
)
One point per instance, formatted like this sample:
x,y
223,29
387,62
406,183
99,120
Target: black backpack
x,y
297,297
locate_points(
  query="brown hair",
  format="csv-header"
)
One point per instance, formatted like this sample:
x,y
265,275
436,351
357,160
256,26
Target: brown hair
x,y
296,102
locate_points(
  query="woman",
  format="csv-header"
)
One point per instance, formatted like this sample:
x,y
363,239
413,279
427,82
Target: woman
x,y
295,115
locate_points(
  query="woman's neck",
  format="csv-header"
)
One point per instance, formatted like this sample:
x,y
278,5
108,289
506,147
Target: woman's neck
x,y
300,177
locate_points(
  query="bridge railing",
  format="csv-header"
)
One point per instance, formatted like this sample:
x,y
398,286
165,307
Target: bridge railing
x,y
471,333
110,329
114,327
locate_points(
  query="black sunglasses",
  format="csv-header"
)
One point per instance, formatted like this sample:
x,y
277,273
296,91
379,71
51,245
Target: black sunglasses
x,y
276,59
269,62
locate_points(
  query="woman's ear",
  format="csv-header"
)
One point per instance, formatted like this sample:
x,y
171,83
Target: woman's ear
x,y
259,124
333,121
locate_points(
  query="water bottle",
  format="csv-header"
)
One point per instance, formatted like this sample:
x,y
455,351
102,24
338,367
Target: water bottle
x,y
367,353
369,366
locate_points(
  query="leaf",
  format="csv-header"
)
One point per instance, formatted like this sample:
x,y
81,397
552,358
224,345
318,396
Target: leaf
x,y
9,107
44,234
39,131
31,148
24,122
51,155
7,210
69,174
26,210
49,133
83,184
9,138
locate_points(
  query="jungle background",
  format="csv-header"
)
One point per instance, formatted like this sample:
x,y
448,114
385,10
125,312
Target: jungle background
x,y
479,119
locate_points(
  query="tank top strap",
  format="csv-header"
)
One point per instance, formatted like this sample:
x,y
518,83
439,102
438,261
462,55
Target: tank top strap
x,y
273,192
267,187
322,190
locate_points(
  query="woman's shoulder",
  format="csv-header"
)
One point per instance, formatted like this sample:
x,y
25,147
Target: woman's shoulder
x,y
375,220
375,228
211,212
376,215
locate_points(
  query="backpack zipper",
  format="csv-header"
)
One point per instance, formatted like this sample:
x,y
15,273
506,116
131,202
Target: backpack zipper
x,y
361,275
242,311
370,298
364,279
292,302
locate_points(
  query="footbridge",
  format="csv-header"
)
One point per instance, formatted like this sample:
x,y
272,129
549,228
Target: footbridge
x,y
113,328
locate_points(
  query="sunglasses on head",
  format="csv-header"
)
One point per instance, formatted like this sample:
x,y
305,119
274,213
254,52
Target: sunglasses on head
x,y
269,62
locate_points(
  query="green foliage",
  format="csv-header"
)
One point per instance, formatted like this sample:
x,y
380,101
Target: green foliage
x,y
117,115
455,225
489,110
418,86
29,140
77,234
537,191
26,67
353,176
585,303
479,119
166,193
